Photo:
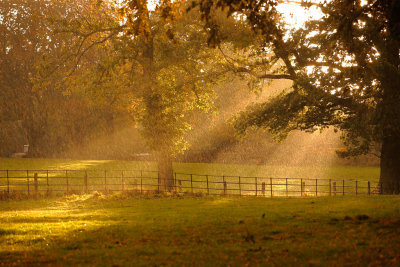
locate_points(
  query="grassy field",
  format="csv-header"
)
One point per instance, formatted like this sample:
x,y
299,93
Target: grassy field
x,y
116,230
324,172
136,175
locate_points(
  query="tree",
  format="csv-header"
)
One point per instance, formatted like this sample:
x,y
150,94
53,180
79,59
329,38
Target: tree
x,y
345,73
161,56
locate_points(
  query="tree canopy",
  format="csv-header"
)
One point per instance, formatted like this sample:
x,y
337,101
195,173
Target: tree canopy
x,y
155,64
345,73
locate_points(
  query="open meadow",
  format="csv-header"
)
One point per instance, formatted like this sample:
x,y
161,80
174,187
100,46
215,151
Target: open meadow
x,y
278,171
57,177
120,230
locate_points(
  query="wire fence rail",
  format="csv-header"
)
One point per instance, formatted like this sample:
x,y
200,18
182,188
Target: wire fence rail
x,y
48,182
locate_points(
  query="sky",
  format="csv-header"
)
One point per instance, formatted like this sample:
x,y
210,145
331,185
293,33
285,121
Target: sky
x,y
296,15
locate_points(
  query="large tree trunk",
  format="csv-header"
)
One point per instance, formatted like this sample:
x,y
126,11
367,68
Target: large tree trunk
x,y
390,120
165,172
390,165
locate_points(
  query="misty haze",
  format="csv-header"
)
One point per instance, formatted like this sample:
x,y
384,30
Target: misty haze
x,y
204,133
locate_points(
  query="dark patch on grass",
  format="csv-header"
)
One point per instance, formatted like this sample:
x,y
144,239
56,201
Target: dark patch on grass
x,y
267,238
72,247
275,232
387,224
4,232
362,217
255,249
333,221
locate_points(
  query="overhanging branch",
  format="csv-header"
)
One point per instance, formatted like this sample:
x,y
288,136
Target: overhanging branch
x,y
266,75
275,76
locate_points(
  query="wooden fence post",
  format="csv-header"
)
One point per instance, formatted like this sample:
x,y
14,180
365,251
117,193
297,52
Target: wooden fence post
x,y
47,182
123,186
141,181
369,188
263,188
316,187
175,182
85,182
255,183
8,183
301,187
66,177
356,187
343,187
287,191
35,182
158,181
27,180
240,188
330,187
105,181
225,188
180,185
208,190
122,181
224,184
270,181
191,182
334,188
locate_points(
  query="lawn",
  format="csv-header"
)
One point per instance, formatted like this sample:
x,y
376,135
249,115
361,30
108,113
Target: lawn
x,y
63,176
280,171
117,230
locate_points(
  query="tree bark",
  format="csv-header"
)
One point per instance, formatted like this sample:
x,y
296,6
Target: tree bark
x,y
165,172
390,152
390,165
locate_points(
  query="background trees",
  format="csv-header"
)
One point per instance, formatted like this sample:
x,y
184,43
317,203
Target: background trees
x,y
24,39
48,114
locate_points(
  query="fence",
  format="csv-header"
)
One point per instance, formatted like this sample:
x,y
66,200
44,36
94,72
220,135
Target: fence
x,y
33,182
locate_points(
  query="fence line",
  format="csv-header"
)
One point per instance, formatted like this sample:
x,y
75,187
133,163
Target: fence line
x,y
35,182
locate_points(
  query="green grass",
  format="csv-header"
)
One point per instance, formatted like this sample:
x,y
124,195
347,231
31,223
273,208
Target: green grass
x,y
65,164
73,180
323,172
210,231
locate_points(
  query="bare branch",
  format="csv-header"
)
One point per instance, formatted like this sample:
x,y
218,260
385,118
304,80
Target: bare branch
x,y
80,54
259,76
275,76
300,3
